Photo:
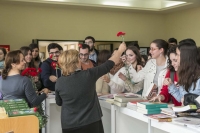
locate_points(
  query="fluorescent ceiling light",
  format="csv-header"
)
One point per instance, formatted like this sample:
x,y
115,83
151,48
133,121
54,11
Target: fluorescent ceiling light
x,y
173,3
56,0
115,3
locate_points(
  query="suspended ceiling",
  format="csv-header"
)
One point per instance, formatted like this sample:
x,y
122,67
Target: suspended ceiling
x,y
141,5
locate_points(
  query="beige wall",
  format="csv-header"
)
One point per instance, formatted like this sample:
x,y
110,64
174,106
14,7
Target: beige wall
x,y
184,24
20,24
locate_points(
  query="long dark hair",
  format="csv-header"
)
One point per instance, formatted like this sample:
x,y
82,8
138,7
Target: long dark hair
x,y
11,57
24,51
137,53
189,69
103,56
171,50
33,46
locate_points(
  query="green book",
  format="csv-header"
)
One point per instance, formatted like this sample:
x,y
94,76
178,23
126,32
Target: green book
x,y
151,109
148,112
151,105
21,113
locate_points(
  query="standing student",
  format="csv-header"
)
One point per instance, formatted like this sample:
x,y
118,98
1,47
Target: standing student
x,y
164,95
188,71
90,41
35,55
76,93
50,73
155,69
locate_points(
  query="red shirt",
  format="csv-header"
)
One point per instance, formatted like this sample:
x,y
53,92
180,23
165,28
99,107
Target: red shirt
x,y
165,93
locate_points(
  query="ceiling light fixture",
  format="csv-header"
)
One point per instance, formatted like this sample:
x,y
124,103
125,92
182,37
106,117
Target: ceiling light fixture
x,y
115,3
173,3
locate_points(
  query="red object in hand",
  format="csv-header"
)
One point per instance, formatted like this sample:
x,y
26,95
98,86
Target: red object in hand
x,y
35,109
121,33
53,64
80,45
51,56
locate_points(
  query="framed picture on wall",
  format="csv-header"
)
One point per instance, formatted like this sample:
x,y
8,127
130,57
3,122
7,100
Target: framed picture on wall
x,y
144,50
7,47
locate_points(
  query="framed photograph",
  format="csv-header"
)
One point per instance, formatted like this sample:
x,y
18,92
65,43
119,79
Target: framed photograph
x,y
144,50
7,47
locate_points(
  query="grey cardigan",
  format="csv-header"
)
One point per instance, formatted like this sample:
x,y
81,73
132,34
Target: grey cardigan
x,y
76,94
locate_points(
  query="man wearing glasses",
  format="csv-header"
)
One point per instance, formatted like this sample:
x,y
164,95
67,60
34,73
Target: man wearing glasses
x,y
84,51
50,70
93,52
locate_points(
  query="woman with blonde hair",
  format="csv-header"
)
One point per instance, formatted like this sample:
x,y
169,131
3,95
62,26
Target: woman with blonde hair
x,y
76,93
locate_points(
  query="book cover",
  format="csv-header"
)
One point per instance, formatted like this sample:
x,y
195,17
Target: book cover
x,y
124,99
149,105
185,108
152,91
120,104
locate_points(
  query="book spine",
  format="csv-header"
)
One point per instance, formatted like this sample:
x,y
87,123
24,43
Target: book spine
x,y
165,120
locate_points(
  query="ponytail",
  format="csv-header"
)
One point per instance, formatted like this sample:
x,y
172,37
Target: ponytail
x,y
4,73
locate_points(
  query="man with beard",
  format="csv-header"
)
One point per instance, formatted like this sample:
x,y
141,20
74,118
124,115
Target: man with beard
x,y
93,52
84,52
50,71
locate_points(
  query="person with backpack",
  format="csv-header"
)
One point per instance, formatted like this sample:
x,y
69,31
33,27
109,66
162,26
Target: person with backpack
x,y
50,69
164,95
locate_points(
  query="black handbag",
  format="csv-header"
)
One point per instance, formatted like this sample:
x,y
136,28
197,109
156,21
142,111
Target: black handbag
x,y
190,99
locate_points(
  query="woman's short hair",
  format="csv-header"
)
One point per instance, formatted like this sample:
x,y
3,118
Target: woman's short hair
x,y
68,61
160,43
11,57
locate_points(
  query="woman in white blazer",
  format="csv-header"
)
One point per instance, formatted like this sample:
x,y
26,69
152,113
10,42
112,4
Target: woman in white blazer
x,y
155,70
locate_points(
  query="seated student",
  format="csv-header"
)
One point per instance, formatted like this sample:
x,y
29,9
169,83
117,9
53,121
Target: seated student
x,y
122,81
15,86
102,87
188,71
84,52
164,95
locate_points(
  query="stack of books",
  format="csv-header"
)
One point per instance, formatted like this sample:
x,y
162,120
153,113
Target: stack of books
x,y
150,107
122,100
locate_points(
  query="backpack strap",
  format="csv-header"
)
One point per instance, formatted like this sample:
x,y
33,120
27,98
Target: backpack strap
x,y
172,76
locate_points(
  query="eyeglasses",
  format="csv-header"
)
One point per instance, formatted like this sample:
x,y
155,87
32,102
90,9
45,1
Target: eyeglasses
x,y
152,49
57,52
88,43
83,55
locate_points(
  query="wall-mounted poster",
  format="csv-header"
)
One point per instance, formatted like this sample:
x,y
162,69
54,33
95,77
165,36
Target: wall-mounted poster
x,y
7,47
144,50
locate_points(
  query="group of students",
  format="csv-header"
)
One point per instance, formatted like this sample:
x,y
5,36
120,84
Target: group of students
x,y
175,71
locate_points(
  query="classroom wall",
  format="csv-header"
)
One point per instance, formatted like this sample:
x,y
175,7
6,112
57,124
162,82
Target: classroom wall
x,y
19,24
184,24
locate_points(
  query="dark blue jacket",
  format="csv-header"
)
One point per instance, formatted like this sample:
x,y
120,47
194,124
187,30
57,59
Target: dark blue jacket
x,y
47,71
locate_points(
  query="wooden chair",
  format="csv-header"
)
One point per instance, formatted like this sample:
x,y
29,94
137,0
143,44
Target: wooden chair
x,y
20,124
